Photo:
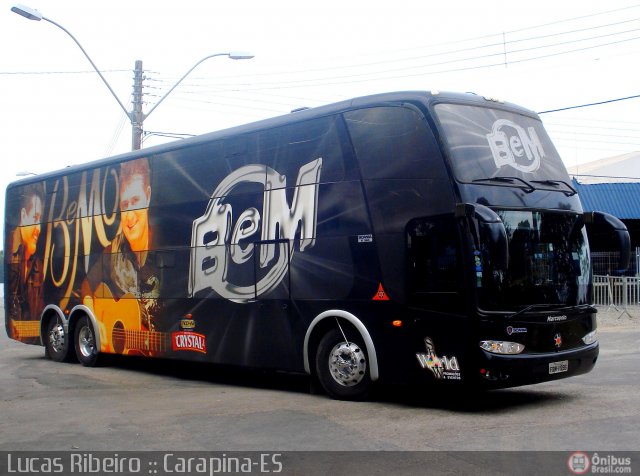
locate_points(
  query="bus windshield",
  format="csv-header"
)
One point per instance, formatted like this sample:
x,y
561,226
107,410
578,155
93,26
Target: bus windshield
x,y
548,262
486,143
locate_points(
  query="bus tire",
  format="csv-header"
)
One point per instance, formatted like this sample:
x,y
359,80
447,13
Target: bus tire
x,y
85,342
342,367
57,343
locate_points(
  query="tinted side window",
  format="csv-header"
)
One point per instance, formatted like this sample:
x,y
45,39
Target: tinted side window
x,y
392,142
287,149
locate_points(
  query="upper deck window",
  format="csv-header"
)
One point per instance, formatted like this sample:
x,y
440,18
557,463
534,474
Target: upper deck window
x,y
393,142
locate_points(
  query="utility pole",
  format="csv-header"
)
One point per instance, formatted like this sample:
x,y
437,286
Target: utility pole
x,y
137,117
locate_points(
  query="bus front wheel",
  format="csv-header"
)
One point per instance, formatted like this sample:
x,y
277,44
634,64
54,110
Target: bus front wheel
x,y
85,342
341,366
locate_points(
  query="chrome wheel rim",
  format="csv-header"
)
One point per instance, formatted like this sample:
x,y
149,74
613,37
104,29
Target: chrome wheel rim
x,y
347,364
86,342
57,337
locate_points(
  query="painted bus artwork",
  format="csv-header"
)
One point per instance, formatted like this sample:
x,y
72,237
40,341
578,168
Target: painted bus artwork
x,y
403,237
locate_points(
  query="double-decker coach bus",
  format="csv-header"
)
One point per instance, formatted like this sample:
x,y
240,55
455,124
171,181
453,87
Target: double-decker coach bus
x,y
401,237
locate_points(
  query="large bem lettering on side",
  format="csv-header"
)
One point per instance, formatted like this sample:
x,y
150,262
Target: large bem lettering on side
x,y
217,243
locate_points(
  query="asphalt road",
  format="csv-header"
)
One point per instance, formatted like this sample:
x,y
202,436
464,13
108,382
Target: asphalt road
x,y
149,405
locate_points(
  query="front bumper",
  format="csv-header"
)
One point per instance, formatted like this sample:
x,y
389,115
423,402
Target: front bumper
x,y
500,371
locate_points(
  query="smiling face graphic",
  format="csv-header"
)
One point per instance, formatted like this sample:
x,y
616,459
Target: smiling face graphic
x,y
134,208
30,225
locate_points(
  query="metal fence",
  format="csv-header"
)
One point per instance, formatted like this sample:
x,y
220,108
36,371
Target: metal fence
x,y
616,291
605,263
612,288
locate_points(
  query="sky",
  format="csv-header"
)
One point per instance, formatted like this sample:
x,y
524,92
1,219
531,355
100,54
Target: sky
x,y
544,55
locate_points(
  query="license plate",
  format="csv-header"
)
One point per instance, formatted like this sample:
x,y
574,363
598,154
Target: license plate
x,y
558,367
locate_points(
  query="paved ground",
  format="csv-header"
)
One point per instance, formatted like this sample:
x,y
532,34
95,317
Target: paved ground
x,y
157,405
618,317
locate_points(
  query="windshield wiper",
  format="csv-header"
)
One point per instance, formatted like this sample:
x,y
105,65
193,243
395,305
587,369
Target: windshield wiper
x,y
556,183
531,306
510,180
555,307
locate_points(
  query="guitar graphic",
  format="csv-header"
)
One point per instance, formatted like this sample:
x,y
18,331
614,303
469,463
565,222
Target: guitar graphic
x,y
120,325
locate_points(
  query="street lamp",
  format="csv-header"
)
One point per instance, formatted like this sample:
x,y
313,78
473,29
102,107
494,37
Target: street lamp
x,y
136,116
33,14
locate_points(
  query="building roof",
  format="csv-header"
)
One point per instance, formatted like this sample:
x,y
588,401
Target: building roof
x,y
621,200
621,168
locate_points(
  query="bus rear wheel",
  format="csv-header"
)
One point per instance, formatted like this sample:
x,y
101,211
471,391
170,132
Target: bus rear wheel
x,y
341,366
85,342
56,341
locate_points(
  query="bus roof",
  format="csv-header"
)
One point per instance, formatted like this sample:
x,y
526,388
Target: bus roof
x,y
424,97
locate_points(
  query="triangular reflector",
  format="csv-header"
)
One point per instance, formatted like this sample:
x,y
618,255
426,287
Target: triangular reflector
x,y
380,294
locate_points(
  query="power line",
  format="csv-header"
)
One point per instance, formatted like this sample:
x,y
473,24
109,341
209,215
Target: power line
x,y
116,134
444,53
502,43
606,12
219,103
171,135
590,104
35,73
558,121
189,96
594,134
371,76
388,74
347,79
603,176
573,127
601,141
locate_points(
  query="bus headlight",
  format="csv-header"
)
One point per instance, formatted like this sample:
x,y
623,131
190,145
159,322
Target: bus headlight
x,y
501,347
591,337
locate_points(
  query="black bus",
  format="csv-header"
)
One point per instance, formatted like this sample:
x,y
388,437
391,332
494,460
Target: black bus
x,y
401,237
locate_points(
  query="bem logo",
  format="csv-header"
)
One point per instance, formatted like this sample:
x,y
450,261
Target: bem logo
x,y
223,240
514,146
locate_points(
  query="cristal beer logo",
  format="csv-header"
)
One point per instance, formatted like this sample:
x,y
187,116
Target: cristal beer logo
x,y
223,240
190,341
514,146
187,339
